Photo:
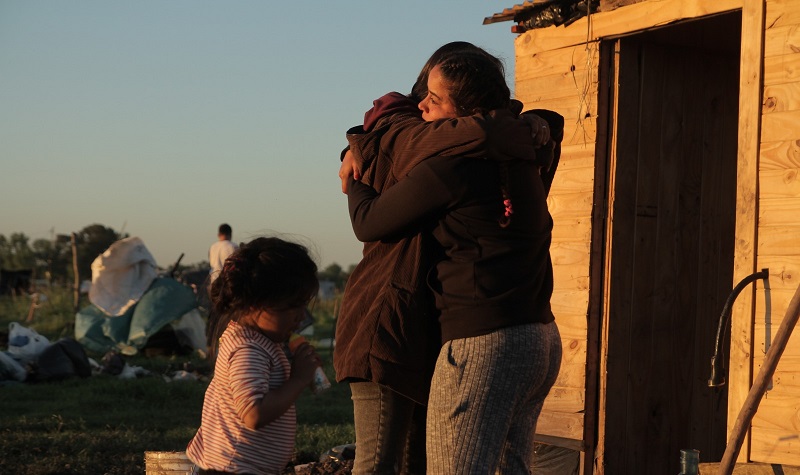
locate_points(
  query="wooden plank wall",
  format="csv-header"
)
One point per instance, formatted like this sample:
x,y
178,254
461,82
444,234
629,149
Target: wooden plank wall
x,y
557,68
775,436
565,80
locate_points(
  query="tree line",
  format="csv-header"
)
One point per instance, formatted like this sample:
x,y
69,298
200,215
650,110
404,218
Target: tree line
x,y
51,259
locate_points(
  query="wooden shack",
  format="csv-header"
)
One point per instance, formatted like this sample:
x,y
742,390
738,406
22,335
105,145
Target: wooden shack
x,y
679,177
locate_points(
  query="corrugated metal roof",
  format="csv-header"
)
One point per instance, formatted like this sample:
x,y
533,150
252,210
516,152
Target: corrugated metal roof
x,y
510,13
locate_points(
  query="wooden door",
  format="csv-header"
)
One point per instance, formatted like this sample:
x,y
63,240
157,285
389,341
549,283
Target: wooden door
x,y
670,259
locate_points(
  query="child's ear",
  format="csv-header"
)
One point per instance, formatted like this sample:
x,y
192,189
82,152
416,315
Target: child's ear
x,y
251,316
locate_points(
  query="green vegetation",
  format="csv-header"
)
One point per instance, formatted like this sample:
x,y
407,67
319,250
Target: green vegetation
x,y
52,259
104,425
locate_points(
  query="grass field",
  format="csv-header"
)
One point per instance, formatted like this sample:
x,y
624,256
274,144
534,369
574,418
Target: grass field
x,y
104,425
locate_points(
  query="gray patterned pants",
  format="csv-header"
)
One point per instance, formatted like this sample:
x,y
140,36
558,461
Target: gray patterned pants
x,y
486,396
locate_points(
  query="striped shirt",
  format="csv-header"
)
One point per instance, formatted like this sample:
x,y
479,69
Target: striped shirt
x,y
248,366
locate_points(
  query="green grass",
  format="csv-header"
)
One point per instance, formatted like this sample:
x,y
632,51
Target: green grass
x,y
104,425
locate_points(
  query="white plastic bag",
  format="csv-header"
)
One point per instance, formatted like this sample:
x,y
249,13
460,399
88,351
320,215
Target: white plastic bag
x,y
9,367
25,344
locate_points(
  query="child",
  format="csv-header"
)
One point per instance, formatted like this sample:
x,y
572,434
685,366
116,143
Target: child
x,y
248,423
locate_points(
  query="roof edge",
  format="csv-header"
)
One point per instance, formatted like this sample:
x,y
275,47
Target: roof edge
x,y
508,14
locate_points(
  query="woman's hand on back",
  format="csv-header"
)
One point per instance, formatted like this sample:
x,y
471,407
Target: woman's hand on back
x,y
540,130
349,168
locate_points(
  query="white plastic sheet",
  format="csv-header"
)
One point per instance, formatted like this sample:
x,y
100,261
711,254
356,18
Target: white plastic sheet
x,y
121,275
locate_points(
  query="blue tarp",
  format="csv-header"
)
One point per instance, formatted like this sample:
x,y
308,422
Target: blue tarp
x,y
165,301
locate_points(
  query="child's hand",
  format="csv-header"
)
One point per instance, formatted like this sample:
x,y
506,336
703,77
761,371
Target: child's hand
x,y
304,363
276,401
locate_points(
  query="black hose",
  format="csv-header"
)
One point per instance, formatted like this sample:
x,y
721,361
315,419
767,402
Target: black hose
x,y
717,377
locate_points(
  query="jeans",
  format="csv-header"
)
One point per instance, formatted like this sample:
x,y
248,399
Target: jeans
x,y
390,431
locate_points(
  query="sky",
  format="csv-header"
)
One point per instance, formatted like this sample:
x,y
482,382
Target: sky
x,y
164,118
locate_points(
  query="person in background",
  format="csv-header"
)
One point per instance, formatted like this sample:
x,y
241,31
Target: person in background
x,y
220,250
492,282
248,422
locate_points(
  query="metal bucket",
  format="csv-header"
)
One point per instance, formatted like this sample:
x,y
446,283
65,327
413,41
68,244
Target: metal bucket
x,y
168,463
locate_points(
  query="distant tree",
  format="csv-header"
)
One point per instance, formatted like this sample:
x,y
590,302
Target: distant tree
x,y
92,241
53,259
335,274
331,272
15,253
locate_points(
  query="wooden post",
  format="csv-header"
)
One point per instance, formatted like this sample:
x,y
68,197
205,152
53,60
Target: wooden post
x,y
740,364
76,286
34,305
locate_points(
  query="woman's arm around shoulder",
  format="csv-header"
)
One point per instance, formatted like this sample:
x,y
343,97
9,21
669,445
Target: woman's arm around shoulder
x,y
402,209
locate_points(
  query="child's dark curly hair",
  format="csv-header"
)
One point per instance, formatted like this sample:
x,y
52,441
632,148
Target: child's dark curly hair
x,y
267,272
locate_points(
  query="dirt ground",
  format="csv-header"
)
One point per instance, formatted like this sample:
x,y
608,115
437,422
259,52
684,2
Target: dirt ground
x,y
329,467
550,460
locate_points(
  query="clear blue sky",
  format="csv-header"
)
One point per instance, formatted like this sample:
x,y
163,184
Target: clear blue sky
x,y
165,118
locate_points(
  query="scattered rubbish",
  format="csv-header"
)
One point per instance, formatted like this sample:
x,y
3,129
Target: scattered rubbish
x,y
340,453
112,363
336,461
25,344
133,372
131,305
181,375
329,467
31,357
61,360
10,369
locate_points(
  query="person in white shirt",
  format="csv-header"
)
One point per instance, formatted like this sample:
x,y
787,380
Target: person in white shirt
x,y
220,250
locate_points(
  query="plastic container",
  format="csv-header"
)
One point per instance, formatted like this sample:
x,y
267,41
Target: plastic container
x,y
168,463
320,382
690,462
